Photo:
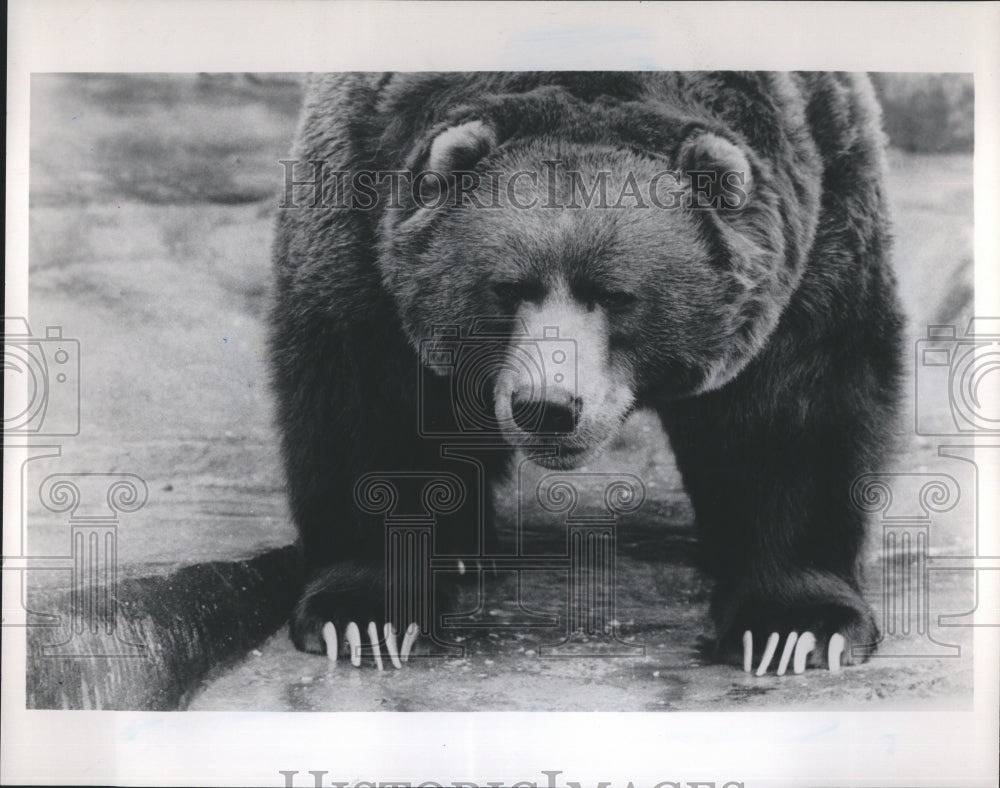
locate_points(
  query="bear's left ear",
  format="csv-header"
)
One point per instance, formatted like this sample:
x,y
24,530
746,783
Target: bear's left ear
x,y
731,176
460,147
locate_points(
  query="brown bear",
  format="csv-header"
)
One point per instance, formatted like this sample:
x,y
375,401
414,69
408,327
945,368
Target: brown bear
x,y
715,245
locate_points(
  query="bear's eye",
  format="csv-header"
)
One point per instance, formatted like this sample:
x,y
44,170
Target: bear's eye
x,y
592,294
614,299
513,293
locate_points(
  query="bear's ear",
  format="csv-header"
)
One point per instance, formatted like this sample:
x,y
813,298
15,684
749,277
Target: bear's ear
x,y
726,162
460,147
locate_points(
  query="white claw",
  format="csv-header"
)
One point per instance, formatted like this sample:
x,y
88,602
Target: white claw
x,y
787,653
835,649
353,635
769,649
747,651
373,639
390,644
330,638
807,642
409,638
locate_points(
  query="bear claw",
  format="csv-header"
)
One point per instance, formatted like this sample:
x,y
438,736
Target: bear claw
x,y
797,650
330,639
803,649
834,652
390,645
373,639
408,640
786,654
352,634
769,649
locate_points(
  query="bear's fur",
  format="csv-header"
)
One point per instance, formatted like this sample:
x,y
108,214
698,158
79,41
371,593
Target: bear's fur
x,y
764,330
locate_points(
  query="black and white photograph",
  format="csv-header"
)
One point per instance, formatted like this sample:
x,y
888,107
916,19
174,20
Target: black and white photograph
x,y
350,400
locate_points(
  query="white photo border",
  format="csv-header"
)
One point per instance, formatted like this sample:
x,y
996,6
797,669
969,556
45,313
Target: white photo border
x,y
794,748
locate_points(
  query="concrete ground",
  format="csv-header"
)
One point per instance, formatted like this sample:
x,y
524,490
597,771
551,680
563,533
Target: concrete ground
x,y
152,204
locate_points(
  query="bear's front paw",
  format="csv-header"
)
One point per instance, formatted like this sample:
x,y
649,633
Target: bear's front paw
x,y
797,650
352,634
335,605
796,637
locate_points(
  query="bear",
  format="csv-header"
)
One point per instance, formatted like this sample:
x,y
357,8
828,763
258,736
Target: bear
x,y
715,243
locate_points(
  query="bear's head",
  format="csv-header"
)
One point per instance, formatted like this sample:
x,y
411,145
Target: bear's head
x,y
578,274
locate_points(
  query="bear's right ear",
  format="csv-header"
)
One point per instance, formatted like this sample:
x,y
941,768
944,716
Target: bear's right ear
x,y
460,147
706,152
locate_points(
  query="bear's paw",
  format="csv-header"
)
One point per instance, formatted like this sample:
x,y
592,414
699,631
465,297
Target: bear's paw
x,y
336,603
798,635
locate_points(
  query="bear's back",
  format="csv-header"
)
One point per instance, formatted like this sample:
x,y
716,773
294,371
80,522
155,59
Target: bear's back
x,y
383,113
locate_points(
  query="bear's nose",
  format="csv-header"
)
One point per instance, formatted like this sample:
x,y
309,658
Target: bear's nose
x,y
556,411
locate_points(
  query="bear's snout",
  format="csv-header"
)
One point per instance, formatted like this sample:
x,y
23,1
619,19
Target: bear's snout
x,y
554,411
557,385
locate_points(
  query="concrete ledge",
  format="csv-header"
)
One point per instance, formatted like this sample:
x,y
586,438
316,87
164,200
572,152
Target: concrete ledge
x,y
170,632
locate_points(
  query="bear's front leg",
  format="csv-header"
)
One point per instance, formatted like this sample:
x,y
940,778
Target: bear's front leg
x,y
409,524
342,416
348,412
768,462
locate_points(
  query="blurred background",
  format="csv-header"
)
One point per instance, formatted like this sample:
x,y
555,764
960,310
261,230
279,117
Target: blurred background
x,y
927,113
